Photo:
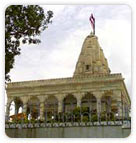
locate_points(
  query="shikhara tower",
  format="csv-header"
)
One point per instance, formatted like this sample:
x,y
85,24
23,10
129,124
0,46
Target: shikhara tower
x,y
92,86
91,60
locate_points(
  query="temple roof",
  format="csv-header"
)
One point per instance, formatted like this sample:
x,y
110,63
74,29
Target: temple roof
x,y
91,59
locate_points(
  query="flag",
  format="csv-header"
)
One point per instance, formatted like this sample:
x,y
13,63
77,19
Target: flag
x,y
92,20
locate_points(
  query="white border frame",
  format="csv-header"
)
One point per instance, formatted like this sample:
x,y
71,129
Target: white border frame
x,y
6,139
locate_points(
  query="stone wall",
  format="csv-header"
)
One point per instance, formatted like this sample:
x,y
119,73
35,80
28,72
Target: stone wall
x,y
70,132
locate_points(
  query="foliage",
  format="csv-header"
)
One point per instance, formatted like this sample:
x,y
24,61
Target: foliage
x,y
112,117
84,110
23,24
103,117
77,118
76,111
94,118
32,121
107,116
85,119
26,120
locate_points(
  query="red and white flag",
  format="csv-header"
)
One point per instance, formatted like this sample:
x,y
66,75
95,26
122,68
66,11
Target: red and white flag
x,y
92,20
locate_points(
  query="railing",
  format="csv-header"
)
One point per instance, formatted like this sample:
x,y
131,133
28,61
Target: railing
x,y
71,119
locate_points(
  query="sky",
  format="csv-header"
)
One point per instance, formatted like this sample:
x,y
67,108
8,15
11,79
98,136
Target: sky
x,y
61,43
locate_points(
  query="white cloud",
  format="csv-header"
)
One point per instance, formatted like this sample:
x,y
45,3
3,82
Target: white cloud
x,y
117,48
57,9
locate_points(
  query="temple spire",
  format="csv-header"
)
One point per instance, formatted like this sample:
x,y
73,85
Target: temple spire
x,y
91,60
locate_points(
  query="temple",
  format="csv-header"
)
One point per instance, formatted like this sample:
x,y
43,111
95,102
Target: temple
x,y
92,86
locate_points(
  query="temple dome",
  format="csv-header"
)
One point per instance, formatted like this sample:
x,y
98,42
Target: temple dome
x,y
91,60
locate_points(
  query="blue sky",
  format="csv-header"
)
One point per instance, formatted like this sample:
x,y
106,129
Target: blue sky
x,y
61,44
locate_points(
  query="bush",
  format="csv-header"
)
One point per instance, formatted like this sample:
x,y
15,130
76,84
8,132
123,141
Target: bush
x,y
103,117
85,119
77,118
19,121
110,116
94,118
32,121
26,120
84,110
76,111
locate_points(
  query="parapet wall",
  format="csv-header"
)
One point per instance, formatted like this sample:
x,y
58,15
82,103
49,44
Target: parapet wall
x,y
70,132
68,80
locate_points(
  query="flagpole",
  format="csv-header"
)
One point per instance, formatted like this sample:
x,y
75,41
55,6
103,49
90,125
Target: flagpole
x,y
92,20
94,26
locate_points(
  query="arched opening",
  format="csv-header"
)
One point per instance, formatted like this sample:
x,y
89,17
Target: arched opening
x,y
89,102
51,104
18,104
108,110
51,108
69,104
33,108
14,109
89,108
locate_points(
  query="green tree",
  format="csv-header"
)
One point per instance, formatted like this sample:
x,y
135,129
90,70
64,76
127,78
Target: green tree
x,y
23,25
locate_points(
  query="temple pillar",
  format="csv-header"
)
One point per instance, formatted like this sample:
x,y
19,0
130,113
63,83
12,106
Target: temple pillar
x,y
60,97
60,105
98,96
42,106
42,111
117,93
24,108
9,100
79,98
79,102
7,110
25,101
119,106
98,106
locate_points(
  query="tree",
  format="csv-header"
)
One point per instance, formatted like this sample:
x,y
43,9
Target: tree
x,y
23,25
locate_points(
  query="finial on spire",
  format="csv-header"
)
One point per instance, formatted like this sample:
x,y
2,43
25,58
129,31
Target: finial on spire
x,y
91,34
92,20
